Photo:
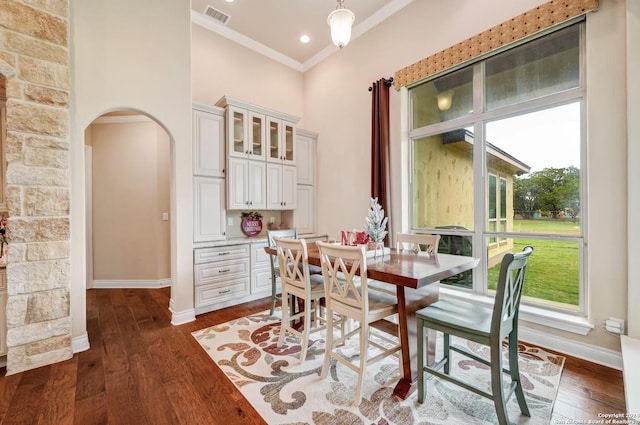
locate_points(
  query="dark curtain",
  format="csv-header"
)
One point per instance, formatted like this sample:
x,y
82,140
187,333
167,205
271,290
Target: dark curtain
x,y
380,175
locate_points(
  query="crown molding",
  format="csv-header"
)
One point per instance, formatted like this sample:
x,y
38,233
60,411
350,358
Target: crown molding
x,y
391,8
203,21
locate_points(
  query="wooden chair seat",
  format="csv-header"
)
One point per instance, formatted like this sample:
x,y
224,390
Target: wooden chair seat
x,y
487,326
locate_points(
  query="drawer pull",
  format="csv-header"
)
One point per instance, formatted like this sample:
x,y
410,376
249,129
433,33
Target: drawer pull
x,y
224,271
224,253
224,292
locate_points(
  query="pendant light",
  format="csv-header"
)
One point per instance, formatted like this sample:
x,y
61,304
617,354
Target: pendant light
x,y
340,21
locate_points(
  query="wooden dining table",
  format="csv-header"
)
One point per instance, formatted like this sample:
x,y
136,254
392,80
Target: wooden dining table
x,y
416,279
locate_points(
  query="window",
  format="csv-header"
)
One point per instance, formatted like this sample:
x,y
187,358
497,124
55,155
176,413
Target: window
x,y
497,164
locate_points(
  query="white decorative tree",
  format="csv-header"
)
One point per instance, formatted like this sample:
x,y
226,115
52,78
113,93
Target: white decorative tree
x,y
376,222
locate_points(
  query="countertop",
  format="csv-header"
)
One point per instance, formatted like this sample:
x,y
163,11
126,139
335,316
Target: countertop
x,y
248,239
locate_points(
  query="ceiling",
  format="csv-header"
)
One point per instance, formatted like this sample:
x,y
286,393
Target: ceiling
x,y
273,27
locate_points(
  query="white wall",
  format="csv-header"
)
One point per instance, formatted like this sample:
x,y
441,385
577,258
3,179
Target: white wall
x,y
633,190
134,55
337,105
130,193
222,67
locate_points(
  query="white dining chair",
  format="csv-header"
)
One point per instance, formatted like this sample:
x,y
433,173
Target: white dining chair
x,y
344,269
423,244
298,283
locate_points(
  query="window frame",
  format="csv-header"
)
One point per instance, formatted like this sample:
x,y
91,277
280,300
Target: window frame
x,y
478,121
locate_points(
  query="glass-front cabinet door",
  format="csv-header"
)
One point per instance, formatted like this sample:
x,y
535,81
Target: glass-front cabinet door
x,y
246,133
237,128
281,141
288,154
273,138
256,136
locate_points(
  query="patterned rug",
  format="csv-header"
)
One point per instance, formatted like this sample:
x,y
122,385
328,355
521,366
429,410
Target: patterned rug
x,y
283,391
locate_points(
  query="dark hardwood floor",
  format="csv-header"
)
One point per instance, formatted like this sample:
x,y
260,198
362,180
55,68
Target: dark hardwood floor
x,y
140,370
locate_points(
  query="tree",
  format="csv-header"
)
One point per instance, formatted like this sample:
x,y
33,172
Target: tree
x,y
552,189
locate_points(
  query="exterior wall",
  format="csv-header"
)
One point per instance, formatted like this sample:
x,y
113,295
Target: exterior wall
x,y
34,58
445,172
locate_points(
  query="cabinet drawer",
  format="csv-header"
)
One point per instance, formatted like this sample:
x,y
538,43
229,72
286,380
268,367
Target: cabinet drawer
x,y
3,279
259,258
220,253
214,293
220,271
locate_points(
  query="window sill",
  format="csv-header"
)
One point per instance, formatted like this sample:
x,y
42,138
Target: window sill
x,y
540,316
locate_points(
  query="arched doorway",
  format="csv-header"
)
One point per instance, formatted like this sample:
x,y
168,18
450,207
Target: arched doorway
x,y
128,202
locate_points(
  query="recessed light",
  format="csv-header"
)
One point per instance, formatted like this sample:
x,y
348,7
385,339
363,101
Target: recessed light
x,y
304,38
229,1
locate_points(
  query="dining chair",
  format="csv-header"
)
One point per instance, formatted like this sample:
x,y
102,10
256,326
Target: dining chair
x,y
417,243
344,269
483,325
293,261
275,269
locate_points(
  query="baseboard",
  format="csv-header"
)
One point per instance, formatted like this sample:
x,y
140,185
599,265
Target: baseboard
x,y
181,317
131,284
80,343
592,353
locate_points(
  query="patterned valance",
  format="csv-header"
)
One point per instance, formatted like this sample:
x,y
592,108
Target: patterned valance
x,y
531,22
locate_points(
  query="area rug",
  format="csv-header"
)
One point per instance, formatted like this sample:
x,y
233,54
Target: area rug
x,y
285,391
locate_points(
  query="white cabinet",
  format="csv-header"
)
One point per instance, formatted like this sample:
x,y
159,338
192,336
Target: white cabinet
x,y
221,276
260,270
208,142
208,209
304,215
246,184
259,135
306,158
281,138
209,202
281,187
246,133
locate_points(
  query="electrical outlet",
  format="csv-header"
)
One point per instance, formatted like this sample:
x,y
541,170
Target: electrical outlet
x,y
272,220
614,325
230,221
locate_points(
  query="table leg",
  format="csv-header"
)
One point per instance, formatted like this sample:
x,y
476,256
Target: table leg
x,y
410,301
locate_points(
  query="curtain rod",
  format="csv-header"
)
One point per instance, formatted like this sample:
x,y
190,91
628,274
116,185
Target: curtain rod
x,y
387,81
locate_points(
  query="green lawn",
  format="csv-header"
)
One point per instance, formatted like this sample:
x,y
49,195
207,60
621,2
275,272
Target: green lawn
x,y
553,268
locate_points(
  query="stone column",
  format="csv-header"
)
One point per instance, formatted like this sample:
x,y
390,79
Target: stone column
x,y
34,59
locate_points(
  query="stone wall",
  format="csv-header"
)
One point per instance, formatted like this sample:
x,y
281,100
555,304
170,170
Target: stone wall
x,y
34,59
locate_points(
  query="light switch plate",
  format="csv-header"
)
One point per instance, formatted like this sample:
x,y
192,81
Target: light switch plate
x,y
230,221
165,216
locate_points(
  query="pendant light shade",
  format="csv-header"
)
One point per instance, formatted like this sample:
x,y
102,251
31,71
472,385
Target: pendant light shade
x,y
340,21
